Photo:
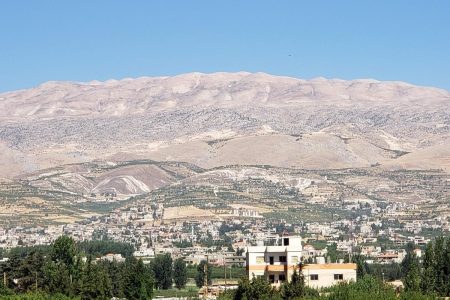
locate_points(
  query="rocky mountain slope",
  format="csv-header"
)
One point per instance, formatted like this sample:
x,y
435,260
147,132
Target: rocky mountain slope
x,y
141,95
219,119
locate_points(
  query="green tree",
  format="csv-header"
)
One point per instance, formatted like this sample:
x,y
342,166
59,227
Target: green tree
x,y
96,283
256,289
115,270
4,291
412,279
362,267
239,251
57,278
447,267
439,266
179,273
405,265
162,270
61,266
76,278
203,269
102,247
30,272
243,287
428,282
367,287
64,250
295,288
332,252
137,280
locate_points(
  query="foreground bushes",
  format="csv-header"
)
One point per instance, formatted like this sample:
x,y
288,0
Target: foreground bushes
x,y
367,288
37,296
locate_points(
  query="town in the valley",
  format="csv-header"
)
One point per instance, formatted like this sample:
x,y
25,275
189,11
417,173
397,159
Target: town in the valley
x,y
242,235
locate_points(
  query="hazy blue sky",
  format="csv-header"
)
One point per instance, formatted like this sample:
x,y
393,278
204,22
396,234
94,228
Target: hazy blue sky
x,y
406,40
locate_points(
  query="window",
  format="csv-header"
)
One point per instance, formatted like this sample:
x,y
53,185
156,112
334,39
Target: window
x,y
282,277
294,260
314,277
271,260
338,276
260,259
282,258
286,241
271,278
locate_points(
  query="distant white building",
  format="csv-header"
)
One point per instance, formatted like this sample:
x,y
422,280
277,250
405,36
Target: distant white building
x,y
113,257
243,212
145,252
418,252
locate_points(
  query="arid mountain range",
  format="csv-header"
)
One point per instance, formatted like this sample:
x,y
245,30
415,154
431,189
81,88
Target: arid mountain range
x,y
220,119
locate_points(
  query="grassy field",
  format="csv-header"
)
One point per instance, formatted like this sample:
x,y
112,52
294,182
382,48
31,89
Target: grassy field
x,y
189,291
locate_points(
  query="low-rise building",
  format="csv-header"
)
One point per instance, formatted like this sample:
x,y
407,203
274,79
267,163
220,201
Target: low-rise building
x,y
325,275
113,257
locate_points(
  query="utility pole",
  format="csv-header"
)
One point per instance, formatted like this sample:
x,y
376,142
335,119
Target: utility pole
x,y
205,269
225,271
4,280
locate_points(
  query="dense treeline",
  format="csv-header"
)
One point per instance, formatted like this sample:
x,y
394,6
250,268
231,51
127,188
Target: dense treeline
x,y
433,275
385,272
96,248
69,269
428,275
103,247
64,270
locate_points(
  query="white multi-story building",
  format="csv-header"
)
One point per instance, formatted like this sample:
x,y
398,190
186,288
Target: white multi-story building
x,y
275,263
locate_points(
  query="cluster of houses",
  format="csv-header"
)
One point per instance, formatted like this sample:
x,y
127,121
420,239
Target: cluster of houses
x,y
244,238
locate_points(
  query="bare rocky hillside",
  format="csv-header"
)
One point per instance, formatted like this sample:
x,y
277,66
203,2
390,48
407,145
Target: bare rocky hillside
x,y
219,119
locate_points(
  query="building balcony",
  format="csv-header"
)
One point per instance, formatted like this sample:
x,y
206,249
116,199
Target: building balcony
x,y
276,268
